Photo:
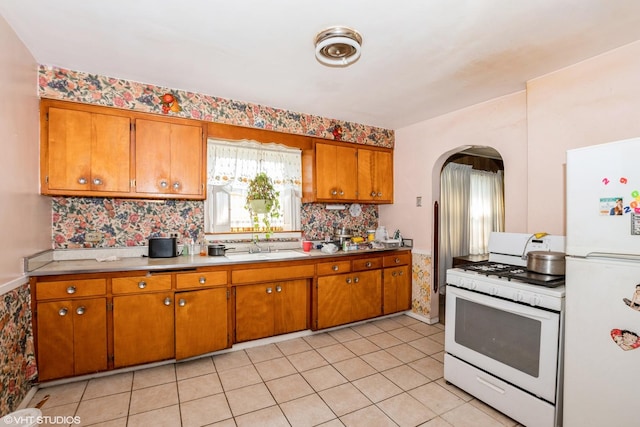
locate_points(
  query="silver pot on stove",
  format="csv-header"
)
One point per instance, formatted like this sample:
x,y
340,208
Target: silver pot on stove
x,y
546,262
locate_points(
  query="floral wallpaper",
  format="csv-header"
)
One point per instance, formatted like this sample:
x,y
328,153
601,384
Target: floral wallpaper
x,y
63,84
318,222
421,279
17,356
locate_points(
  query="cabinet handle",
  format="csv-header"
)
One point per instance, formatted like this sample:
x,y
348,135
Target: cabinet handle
x,y
269,290
349,280
164,184
373,194
176,185
335,268
182,302
167,301
394,274
401,273
278,288
97,181
368,264
71,290
80,311
379,194
356,280
202,280
334,192
62,311
82,181
142,284
341,193
397,260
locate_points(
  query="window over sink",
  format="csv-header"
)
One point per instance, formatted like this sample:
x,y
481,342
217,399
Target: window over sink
x,y
230,167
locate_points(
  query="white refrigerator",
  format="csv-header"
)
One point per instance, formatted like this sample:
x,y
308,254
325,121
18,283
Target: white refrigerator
x,y
602,317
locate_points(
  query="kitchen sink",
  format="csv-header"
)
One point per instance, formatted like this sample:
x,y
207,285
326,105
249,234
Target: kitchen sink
x,y
265,256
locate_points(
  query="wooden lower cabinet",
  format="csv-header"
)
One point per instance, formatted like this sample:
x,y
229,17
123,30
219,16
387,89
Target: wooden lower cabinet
x,y
143,328
350,297
201,324
268,309
72,337
397,289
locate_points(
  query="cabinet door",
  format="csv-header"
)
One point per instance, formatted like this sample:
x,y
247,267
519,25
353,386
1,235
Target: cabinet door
x,y
90,335
336,172
143,328
201,322
397,289
366,295
291,306
375,175
169,159
55,340
334,300
87,152
254,311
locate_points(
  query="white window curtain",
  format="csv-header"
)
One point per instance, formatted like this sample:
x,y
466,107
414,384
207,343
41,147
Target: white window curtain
x,y
231,165
486,207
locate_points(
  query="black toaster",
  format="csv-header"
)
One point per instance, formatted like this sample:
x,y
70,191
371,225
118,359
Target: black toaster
x,y
163,247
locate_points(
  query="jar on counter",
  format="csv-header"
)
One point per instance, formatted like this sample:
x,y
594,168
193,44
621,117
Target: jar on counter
x,y
371,235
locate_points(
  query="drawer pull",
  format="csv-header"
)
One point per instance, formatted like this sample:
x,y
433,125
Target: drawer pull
x,y
373,194
71,290
401,273
379,194
182,302
82,181
368,264
397,260
356,280
63,311
164,184
349,280
394,274
167,301
269,290
341,193
278,288
142,284
334,192
176,185
80,311
97,181
335,268
202,280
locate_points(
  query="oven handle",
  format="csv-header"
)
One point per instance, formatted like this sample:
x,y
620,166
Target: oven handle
x,y
503,305
491,386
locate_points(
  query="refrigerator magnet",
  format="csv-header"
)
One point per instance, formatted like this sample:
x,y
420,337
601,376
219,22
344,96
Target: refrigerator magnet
x,y
625,339
634,302
611,206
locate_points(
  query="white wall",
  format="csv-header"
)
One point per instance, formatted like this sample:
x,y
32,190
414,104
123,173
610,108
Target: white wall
x,y
25,223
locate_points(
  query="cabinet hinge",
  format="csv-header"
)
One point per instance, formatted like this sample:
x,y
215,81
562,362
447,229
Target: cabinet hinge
x,y
110,358
110,307
133,183
46,116
228,294
46,179
133,126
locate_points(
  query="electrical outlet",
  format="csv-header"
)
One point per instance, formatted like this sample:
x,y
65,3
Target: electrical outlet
x,y
419,201
93,237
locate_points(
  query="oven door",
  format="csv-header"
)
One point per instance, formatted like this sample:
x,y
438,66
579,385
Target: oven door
x,y
515,342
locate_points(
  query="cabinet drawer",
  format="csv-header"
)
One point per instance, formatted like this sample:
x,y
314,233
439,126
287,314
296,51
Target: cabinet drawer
x,y
200,280
274,274
397,259
367,264
137,284
71,288
329,268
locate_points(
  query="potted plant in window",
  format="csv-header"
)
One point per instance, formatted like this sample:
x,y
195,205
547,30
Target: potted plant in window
x,y
262,200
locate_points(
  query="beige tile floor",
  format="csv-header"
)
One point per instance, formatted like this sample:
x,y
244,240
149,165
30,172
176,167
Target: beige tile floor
x,y
386,372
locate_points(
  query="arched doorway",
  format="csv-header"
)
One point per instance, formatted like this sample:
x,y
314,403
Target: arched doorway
x,y
470,205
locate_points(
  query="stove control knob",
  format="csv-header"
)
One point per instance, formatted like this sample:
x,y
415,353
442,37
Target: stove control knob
x,y
518,297
494,291
536,300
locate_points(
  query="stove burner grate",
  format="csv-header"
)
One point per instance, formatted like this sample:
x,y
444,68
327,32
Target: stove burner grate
x,y
507,271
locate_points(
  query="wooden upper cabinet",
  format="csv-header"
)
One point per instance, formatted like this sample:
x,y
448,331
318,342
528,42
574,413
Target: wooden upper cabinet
x,y
336,172
375,176
85,153
169,159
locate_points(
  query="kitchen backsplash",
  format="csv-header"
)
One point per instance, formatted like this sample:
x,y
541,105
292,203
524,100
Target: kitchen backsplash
x,y
127,222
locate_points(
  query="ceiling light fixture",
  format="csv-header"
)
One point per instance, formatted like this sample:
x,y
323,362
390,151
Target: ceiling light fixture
x,y
338,46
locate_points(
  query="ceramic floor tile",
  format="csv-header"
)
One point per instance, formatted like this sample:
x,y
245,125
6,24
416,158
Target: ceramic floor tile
x,y
406,377
289,388
208,410
296,345
60,394
198,387
154,376
323,378
493,413
194,368
345,334
406,334
307,360
249,399
384,340
437,422
371,416
407,320
366,329
406,410
425,329
344,399
439,356
406,353
429,367
239,377
159,396
103,409
361,346
333,423
353,369
469,416
439,337
233,359
455,390
320,340
427,345
335,353
112,384
377,387
68,410
381,360
163,417
387,324
272,417
307,411
275,368
436,397
264,352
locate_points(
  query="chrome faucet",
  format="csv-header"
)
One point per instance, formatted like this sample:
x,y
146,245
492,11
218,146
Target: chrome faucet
x,y
256,247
